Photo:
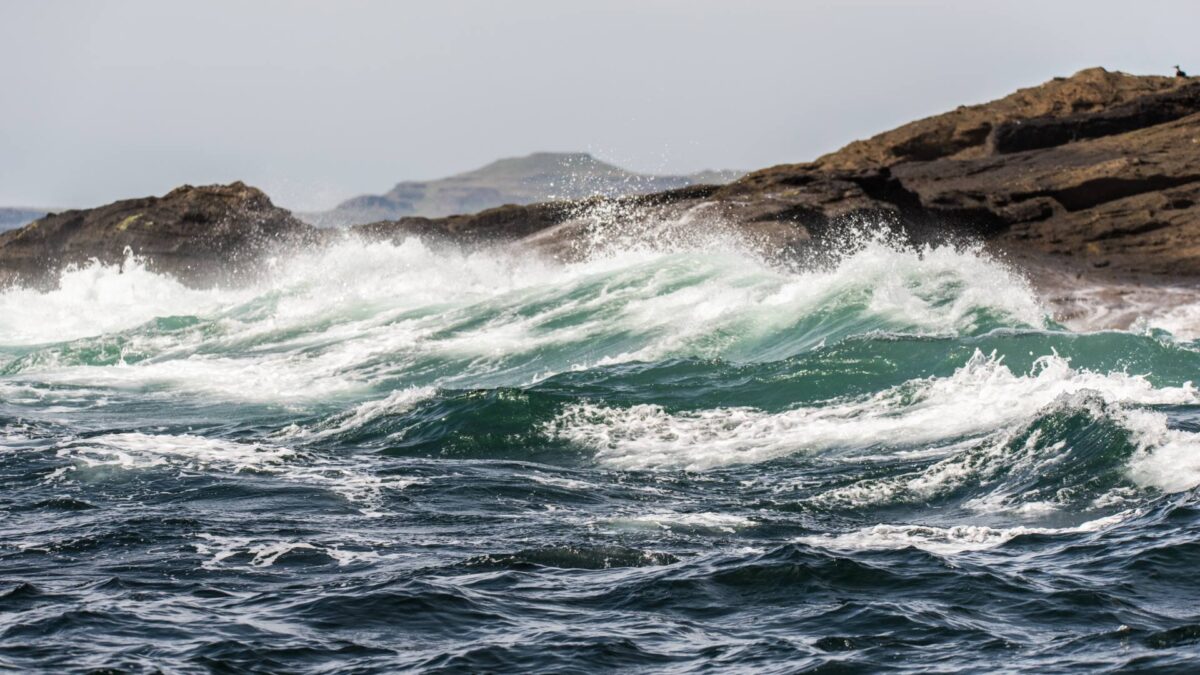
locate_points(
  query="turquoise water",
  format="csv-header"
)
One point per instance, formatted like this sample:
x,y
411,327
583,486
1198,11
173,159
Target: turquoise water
x,y
389,457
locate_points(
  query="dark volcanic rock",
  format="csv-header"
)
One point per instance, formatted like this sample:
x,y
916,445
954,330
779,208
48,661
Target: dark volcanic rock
x,y
198,234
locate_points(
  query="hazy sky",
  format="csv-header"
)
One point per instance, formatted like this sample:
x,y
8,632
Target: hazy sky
x,y
318,101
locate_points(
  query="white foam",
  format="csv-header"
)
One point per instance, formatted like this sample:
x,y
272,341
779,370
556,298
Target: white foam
x,y
566,483
141,451
981,397
1166,459
943,540
399,401
96,299
1175,309
354,479
328,324
1182,320
264,552
719,522
1087,303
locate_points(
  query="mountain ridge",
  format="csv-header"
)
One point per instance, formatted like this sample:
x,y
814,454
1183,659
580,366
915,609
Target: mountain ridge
x,y
537,177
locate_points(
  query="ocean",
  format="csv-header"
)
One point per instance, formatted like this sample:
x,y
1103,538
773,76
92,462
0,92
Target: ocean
x,y
399,456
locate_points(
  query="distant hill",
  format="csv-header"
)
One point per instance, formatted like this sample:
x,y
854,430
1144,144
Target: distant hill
x,y
12,217
542,176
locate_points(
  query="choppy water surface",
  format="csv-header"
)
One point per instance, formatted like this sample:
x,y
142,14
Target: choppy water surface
x,y
387,457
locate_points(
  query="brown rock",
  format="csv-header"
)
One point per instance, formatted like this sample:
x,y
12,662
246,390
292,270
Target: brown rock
x,y
963,132
201,235
1101,168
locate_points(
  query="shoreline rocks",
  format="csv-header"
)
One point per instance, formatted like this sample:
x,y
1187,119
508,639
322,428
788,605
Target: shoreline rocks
x,y
1098,172
201,235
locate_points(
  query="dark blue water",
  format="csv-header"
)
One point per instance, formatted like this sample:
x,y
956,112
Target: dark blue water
x,y
667,462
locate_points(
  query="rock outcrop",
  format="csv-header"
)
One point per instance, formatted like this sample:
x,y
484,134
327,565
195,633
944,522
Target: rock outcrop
x,y
1098,171
1100,168
198,234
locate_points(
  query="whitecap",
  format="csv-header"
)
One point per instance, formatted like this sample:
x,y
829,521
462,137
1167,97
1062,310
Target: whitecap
x,y
943,540
982,396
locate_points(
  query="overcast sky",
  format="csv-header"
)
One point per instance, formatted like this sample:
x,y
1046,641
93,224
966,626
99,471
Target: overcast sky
x,y
317,101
